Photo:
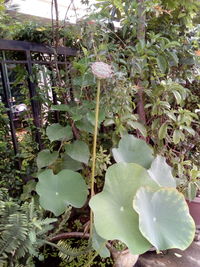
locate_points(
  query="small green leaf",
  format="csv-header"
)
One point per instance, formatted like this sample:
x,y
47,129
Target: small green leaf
x,y
164,218
174,57
171,115
162,133
139,126
78,151
178,136
132,149
59,191
188,129
84,125
162,63
45,158
192,191
108,122
58,132
61,107
177,96
91,117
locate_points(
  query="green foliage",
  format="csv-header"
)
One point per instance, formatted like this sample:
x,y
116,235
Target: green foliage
x,y
188,182
10,176
23,230
80,247
68,253
102,161
160,72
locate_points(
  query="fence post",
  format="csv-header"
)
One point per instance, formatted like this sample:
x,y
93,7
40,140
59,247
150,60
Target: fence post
x,y
34,102
5,83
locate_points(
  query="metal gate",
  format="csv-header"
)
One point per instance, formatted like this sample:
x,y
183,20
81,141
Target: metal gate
x,y
13,53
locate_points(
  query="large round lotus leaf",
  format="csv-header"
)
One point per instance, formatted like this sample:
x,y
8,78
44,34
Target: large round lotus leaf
x,y
164,218
133,150
161,172
114,217
58,191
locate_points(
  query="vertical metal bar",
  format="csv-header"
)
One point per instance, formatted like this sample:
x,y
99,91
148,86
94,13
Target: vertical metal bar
x,y
34,103
5,83
53,92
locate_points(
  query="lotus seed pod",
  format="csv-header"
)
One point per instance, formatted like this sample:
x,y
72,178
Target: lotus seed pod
x,y
101,70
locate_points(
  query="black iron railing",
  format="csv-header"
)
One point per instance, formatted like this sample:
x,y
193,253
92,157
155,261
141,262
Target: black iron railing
x,y
47,57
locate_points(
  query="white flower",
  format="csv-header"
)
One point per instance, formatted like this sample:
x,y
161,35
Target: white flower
x,y
101,70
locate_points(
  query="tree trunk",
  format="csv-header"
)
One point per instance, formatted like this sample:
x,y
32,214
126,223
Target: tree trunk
x,y
141,31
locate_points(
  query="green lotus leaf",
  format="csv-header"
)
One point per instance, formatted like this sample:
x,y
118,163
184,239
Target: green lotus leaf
x,y
66,162
46,158
114,217
99,244
58,132
133,150
161,172
164,218
78,151
58,191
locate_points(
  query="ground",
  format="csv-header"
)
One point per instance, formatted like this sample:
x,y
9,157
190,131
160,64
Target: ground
x,y
173,258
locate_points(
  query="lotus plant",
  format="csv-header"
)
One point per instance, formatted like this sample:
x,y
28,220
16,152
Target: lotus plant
x,y
102,71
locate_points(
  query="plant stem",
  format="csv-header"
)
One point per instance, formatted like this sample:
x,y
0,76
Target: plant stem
x,y
94,150
68,235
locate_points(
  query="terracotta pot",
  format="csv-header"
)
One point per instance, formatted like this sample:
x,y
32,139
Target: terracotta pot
x,y
194,208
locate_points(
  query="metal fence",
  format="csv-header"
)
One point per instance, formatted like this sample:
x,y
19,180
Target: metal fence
x,y
13,53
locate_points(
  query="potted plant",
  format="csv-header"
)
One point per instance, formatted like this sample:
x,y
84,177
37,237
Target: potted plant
x,y
189,185
139,198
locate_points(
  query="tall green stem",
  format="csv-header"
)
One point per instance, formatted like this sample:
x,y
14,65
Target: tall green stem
x,y
94,149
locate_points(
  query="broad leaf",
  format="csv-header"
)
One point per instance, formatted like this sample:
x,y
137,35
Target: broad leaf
x,y
58,191
61,107
78,151
133,150
99,244
114,217
178,136
164,218
173,56
139,126
46,158
91,117
162,63
163,131
58,132
177,96
191,191
66,162
161,172
85,125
